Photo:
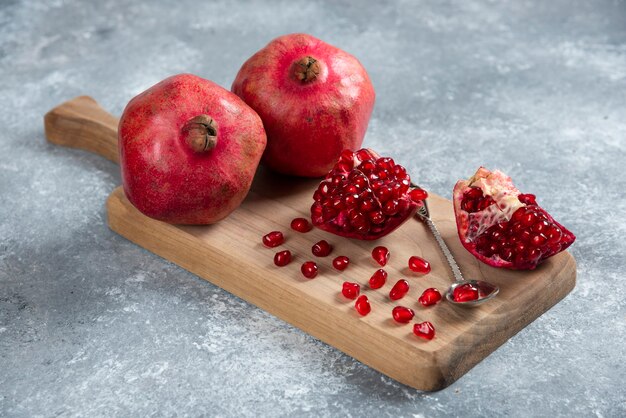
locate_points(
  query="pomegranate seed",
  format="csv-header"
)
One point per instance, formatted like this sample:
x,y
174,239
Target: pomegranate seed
x,y
378,279
309,269
282,258
350,290
321,248
424,330
273,239
301,225
418,194
341,262
419,265
399,290
430,297
465,293
362,305
402,314
381,255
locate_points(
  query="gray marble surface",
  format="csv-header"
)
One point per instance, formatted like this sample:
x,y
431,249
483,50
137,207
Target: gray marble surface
x,y
92,325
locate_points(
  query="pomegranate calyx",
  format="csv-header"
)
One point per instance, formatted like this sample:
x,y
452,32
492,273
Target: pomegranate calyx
x,y
306,69
200,133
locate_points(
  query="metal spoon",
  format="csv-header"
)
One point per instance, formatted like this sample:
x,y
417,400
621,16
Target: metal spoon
x,y
484,290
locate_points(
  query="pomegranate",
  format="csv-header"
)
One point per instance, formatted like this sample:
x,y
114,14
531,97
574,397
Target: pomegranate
x,y
402,314
365,196
341,263
188,150
282,258
315,101
362,305
273,239
503,227
350,290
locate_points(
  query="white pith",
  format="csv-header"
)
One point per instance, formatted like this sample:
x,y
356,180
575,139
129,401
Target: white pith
x,y
500,187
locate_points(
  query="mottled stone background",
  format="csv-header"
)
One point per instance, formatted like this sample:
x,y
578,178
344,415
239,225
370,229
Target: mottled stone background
x,y
93,325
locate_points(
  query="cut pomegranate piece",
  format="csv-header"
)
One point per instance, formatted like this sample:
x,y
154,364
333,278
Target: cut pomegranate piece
x,y
350,290
301,225
402,314
282,258
378,279
419,265
399,290
362,305
321,248
430,297
424,330
273,239
309,269
341,262
502,227
364,196
381,255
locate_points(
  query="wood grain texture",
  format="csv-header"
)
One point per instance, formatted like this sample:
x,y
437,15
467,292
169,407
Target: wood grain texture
x,y
82,123
230,255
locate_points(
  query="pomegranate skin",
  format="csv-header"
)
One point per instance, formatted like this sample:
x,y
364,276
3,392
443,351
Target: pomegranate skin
x,y
308,121
167,177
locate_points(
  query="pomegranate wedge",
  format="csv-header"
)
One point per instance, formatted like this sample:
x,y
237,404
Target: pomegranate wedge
x,y
365,196
503,227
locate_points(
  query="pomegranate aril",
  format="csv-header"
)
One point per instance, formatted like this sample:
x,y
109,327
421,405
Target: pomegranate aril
x,y
538,240
527,199
378,279
321,248
381,255
402,314
419,265
350,290
430,297
301,225
465,293
399,290
362,305
424,330
309,269
341,262
282,258
273,239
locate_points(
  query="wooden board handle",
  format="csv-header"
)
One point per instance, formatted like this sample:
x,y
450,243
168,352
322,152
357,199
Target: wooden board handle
x,y
82,123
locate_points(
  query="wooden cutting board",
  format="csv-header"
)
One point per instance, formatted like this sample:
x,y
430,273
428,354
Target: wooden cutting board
x,y
231,256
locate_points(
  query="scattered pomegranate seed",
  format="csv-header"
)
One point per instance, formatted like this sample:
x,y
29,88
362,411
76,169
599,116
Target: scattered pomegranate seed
x,y
381,255
424,330
402,314
362,305
419,265
273,239
399,290
301,225
430,297
465,293
341,262
282,258
350,290
309,269
378,279
321,248
418,194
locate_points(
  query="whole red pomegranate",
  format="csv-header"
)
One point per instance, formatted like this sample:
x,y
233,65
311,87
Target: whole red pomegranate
x,y
365,196
188,150
315,100
503,227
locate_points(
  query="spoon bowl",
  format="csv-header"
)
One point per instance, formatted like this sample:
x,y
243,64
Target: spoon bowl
x,y
471,293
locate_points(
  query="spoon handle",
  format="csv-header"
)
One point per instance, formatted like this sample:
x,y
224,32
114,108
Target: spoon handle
x,y
423,215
